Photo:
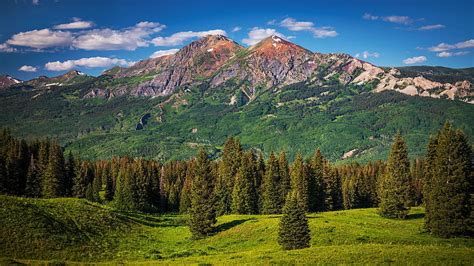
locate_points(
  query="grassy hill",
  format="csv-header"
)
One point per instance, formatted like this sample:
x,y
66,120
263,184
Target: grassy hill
x,y
72,230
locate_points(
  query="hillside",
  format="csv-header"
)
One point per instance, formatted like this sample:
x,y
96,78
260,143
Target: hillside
x,y
90,233
274,95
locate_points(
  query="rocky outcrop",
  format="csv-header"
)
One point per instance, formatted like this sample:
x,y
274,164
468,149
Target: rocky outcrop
x,y
7,81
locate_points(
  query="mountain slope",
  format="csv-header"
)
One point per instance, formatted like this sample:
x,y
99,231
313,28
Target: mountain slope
x,y
273,95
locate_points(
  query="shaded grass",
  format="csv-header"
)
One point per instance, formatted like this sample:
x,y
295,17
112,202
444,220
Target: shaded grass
x,y
103,235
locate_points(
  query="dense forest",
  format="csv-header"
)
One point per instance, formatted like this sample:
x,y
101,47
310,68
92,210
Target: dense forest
x,y
242,181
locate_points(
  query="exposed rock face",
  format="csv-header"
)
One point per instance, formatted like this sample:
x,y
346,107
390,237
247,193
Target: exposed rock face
x,y
45,82
7,81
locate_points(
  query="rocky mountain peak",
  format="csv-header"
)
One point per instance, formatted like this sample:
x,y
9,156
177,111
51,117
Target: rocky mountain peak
x,y
7,81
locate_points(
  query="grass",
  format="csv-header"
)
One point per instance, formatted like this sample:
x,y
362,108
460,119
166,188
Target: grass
x,y
72,230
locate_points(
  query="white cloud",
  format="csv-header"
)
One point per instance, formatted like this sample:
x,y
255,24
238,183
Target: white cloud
x,y
432,27
405,20
28,68
236,29
367,54
5,48
161,53
180,37
294,25
41,38
125,39
86,62
414,60
76,24
258,34
449,54
445,47
35,2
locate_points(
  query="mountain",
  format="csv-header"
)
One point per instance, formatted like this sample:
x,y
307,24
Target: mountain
x,y
8,81
273,95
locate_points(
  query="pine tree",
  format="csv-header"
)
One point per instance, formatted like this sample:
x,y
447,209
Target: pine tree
x,y
52,185
428,179
228,168
452,185
70,174
293,230
202,213
285,179
96,188
259,176
84,176
317,189
109,185
332,188
395,188
244,196
33,183
271,189
299,181
125,198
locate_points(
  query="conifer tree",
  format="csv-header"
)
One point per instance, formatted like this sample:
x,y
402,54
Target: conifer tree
x,y
202,213
244,196
84,176
332,188
96,188
395,188
33,183
259,176
90,192
293,230
299,181
228,168
428,179
70,174
271,189
109,185
124,198
317,189
452,185
52,185
285,179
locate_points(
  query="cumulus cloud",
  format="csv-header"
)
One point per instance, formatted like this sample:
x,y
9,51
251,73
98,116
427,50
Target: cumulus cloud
x,y
76,24
40,39
5,48
414,60
180,37
26,68
161,53
236,29
445,47
90,62
294,25
125,39
404,20
258,34
449,54
432,27
367,54
35,2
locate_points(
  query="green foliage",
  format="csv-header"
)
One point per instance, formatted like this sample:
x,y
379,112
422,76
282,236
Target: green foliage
x,y
293,230
202,213
272,196
299,181
244,195
396,190
54,175
450,186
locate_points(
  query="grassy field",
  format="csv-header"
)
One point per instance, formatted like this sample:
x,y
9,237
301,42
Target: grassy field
x,y
72,230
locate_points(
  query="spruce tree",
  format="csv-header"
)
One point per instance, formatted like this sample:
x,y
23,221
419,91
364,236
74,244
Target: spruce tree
x,y
428,179
299,181
285,179
70,174
96,188
317,189
33,183
228,167
52,185
244,196
83,176
124,198
332,188
202,213
271,188
395,188
293,230
452,185
109,184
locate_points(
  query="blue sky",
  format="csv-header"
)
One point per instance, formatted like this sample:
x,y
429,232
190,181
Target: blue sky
x,y
49,37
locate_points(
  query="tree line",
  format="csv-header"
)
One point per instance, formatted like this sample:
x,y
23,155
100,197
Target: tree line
x,y
242,181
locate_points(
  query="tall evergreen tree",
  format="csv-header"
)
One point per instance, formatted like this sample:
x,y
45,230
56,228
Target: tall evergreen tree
x,y
96,188
52,183
395,188
293,230
317,188
272,192
69,175
244,196
452,185
124,197
109,184
285,179
299,181
84,176
428,179
33,183
332,188
228,168
202,213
